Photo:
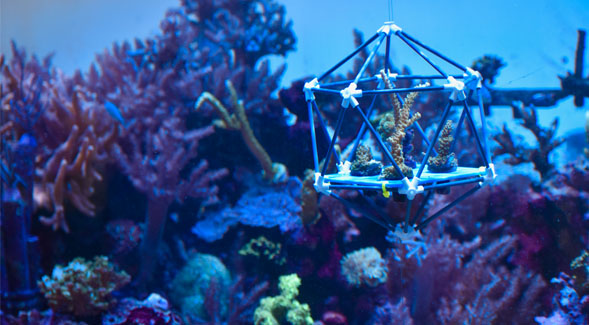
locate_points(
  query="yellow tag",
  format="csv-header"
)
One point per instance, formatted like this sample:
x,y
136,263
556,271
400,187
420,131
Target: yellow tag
x,y
385,193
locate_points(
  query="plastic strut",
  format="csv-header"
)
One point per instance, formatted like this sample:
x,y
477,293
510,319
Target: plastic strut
x,y
473,79
457,87
389,27
489,174
349,95
410,187
321,186
308,89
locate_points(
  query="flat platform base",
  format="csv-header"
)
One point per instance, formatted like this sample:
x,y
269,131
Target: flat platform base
x,y
462,175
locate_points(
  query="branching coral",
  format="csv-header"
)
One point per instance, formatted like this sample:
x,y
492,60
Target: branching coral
x,y
274,172
83,288
392,127
364,165
445,161
519,153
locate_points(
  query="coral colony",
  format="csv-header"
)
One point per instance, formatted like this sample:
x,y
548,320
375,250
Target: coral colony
x,y
174,182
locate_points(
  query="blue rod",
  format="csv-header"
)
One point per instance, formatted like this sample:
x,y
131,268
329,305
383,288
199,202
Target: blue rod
x,y
435,139
326,90
387,55
407,214
453,183
339,64
457,130
418,51
369,59
380,142
401,90
484,125
448,207
362,128
354,187
398,77
352,206
476,134
440,55
426,199
338,128
313,136
324,128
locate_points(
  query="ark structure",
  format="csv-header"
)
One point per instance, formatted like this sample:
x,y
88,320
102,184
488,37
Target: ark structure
x,y
425,181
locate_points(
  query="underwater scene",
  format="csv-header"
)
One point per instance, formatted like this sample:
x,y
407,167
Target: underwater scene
x,y
294,162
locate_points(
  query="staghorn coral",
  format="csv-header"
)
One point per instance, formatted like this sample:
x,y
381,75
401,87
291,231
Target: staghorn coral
x,y
392,127
274,172
445,161
83,288
364,267
284,308
518,153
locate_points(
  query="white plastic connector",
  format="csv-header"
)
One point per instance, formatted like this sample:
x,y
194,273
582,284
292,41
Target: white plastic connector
x,y
349,95
344,168
321,185
473,79
410,188
308,89
388,27
392,78
489,174
457,87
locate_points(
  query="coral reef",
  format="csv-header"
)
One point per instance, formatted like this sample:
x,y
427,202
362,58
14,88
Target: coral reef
x,y
445,161
364,267
263,248
153,310
284,308
83,288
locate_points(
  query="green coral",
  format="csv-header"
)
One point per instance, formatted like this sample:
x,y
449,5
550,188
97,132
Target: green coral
x,y
261,247
191,284
284,309
82,288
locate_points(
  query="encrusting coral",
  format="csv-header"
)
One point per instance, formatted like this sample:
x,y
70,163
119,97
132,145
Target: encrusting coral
x,y
364,165
284,308
392,127
83,288
445,161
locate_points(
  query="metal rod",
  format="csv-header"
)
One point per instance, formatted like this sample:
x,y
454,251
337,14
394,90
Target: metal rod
x,y
438,54
483,125
423,56
369,59
457,130
435,139
313,136
339,64
352,206
448,207
453,183
326,90
387,54
397,77
330,149
380,142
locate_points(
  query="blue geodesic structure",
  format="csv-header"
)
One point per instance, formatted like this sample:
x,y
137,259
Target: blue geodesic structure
x,y
460,87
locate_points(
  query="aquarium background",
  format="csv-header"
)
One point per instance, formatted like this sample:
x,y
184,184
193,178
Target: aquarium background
x,y
233,240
